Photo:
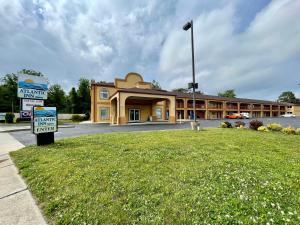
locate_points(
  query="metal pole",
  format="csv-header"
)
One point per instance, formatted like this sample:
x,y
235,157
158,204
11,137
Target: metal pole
x,y
193,63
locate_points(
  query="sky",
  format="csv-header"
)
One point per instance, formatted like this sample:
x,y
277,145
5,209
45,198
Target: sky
x,y
252,46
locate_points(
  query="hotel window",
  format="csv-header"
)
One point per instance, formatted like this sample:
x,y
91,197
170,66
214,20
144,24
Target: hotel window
x,y
104,93
158,113
103,113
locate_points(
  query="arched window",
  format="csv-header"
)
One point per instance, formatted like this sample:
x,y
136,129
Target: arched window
x,y
104,93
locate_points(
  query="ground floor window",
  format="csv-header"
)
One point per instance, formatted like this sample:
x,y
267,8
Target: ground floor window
x,y
180,114
256,114
104,113
158,113
215,115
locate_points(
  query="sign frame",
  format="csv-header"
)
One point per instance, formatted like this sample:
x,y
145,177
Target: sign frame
x,y
33,126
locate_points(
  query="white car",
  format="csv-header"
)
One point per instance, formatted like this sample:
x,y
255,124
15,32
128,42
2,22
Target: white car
x,y
245,115
287,115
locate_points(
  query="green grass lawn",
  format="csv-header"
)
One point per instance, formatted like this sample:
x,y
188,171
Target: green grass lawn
x,y
216,176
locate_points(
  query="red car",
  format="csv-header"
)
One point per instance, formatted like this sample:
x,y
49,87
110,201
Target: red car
x,y
234,116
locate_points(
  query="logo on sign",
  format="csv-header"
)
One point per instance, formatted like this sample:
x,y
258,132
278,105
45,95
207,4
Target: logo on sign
x,y
25,114
44,119
30,86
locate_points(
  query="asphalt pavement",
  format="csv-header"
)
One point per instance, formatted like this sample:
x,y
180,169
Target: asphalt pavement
x,y
27,138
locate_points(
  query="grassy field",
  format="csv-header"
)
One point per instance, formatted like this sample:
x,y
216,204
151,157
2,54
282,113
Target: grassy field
x,y
216,176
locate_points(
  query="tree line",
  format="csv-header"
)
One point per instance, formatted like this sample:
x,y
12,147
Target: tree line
x,y
77,100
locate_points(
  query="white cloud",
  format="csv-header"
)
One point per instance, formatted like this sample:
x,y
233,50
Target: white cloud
x,y
66,39
249,62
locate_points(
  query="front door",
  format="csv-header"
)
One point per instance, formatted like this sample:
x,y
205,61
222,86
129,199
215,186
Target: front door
x,y
134,115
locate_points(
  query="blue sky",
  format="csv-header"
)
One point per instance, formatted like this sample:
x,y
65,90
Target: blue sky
x,y
250,46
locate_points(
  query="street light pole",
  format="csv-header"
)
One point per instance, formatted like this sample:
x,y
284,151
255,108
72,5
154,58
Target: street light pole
x,y
193,63
186,27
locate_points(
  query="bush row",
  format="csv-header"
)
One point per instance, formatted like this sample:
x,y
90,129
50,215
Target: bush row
x,y
79,118
259,126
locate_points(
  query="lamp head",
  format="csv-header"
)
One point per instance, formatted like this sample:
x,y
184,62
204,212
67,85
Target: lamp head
x,y
187,26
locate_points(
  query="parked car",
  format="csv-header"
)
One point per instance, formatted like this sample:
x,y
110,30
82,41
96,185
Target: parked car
x,y
287,115
245,115
234,116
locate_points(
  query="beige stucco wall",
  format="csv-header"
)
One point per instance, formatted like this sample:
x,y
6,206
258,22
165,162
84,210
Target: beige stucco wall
x,y
97,102
132,80
296,110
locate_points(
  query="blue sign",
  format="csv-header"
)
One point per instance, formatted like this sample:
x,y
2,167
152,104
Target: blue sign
x,y
30,86
44,119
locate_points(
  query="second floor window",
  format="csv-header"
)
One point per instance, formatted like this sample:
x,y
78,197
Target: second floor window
x,y
104,94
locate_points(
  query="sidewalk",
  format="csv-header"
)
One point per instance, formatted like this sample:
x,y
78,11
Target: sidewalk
x,y
17,206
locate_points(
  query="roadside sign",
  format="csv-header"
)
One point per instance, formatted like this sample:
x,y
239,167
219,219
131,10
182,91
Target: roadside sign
x,y
30,86
2,116
25,114
28,103
44,119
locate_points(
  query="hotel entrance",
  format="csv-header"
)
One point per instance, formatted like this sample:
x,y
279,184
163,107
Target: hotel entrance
x,y
134,115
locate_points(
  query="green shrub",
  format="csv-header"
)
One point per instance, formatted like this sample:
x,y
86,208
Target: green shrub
x,y
9,117
241,127
255,124
239,124
225,125
77,118
274,127
18,120
87,116
263,128
298,131
289,130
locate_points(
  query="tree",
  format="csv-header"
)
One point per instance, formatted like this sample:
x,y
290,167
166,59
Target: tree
x,y
6,101
228,93
56,97
73,101
186,90
9,96
31,72
199,92
287,96
155,85
181,90
84,95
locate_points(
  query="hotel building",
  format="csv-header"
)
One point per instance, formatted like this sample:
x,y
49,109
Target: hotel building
x,y
132,100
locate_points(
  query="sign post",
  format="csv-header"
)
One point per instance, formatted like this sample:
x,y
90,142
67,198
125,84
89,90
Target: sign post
x,y
44,124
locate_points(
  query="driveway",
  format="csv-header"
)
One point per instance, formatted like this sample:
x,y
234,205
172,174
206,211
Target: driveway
x,y
27,138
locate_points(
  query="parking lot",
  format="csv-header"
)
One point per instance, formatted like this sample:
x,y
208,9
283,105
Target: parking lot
x,y
27,138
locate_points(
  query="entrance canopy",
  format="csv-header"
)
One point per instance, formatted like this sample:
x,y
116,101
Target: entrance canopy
x,y
141,106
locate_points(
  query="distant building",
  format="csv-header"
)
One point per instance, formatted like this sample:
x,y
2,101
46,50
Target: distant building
x,y
132,100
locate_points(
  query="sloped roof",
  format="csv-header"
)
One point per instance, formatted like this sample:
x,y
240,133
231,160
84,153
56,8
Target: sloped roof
x,y
218,98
